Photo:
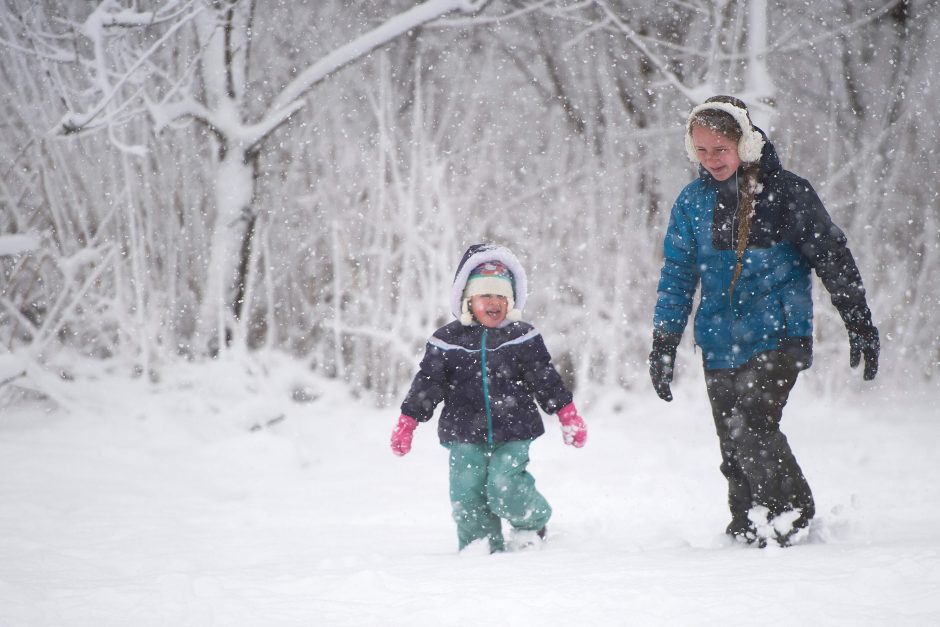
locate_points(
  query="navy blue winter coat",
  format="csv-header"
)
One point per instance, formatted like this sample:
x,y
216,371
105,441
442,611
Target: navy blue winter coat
x,y
771,306
488,379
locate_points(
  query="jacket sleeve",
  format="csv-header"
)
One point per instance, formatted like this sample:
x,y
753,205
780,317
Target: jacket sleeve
x,y
428,386
542,378
811,230
679,275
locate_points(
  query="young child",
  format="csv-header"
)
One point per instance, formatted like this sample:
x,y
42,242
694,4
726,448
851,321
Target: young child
x,y
486,367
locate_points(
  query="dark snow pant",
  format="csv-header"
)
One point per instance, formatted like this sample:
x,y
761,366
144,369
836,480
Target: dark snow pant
x,y
490,483
747,404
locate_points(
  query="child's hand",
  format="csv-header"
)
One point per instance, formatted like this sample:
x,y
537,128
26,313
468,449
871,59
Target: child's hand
x,y
402,435
573,429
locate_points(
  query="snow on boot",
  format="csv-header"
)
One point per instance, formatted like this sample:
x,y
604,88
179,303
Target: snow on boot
x,y
741,530
522,539
790,527
479,548
760,522
785,529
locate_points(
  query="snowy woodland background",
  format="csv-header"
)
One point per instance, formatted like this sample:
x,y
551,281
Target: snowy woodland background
x,y
227,228
182,178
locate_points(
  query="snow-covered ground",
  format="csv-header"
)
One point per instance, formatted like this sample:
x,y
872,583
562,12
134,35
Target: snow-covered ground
x,y
161,505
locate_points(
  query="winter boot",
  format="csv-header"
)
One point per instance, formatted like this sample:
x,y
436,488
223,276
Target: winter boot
x,y
522,539
741,530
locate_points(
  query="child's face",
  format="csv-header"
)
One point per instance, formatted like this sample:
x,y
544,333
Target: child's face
x,y
489,309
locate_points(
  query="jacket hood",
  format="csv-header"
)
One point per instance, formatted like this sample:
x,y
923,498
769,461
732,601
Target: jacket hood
x,y
481,253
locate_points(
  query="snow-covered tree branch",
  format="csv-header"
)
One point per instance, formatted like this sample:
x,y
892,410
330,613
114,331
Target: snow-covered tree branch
x,y
301,175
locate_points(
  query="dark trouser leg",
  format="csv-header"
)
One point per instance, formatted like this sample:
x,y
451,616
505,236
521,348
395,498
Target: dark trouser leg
x,y
747,405
722,394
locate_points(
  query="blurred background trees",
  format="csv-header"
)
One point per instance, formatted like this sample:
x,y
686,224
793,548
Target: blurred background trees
x,y
193,191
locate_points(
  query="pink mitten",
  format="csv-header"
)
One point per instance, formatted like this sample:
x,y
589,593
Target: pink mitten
x,y
573,428
401,436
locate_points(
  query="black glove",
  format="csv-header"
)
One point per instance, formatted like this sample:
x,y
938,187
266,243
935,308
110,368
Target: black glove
x,y
864,341
662,360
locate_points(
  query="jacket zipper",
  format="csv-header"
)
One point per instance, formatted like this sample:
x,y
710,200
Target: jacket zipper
x,y
486,391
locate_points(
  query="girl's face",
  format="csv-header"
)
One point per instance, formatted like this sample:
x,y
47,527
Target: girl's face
x,y
716,152
489,309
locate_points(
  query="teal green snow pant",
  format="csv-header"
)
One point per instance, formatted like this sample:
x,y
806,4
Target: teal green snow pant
x,y
489,483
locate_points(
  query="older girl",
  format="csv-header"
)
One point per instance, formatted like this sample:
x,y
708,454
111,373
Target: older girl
x,y
747,233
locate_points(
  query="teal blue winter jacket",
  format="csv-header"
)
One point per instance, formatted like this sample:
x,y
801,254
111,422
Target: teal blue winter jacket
x,y
771,307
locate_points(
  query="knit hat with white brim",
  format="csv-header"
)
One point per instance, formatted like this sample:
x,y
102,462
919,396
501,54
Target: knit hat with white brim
x,y
490,277
479,255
